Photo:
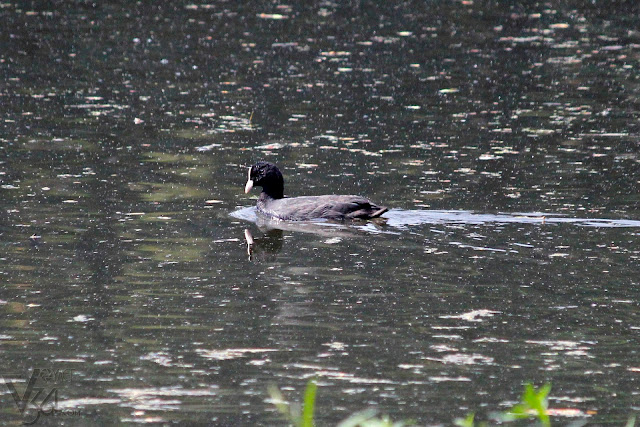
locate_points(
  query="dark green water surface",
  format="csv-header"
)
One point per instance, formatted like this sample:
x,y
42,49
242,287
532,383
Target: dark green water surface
x,y
505,138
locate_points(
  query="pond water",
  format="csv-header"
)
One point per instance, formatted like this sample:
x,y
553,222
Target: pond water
x,y
504,138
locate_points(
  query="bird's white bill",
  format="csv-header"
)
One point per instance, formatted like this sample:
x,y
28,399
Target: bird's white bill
x,y
248,187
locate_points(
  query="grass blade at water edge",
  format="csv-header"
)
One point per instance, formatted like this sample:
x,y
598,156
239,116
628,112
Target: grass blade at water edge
x,y
309,404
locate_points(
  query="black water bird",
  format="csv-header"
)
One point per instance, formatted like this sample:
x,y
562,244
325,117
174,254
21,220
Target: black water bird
x,y
273,204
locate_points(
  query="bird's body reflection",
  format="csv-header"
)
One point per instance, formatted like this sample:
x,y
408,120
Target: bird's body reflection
x,y
398,221
271,240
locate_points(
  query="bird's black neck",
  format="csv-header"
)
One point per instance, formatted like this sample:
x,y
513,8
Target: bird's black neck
x,y
272,193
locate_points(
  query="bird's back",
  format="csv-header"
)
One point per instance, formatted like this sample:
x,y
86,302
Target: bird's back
x,y
336,207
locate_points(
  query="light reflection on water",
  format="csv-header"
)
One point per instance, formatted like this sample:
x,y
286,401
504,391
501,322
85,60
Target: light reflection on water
x,y
399,218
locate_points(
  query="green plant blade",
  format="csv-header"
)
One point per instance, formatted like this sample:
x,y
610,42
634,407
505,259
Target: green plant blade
x,y
465,422
278,400
309,404
631,422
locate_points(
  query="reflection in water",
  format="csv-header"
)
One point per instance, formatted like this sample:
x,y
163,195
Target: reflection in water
x,y
318,227
401,219
264,248
272,239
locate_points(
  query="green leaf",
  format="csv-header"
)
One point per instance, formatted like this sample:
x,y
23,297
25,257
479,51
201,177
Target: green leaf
x,y
631,422
309,404
467,421
532,402
281,404
518,412
540,403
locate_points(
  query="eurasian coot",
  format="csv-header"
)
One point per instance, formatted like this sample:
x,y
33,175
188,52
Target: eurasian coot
x,y
272,202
